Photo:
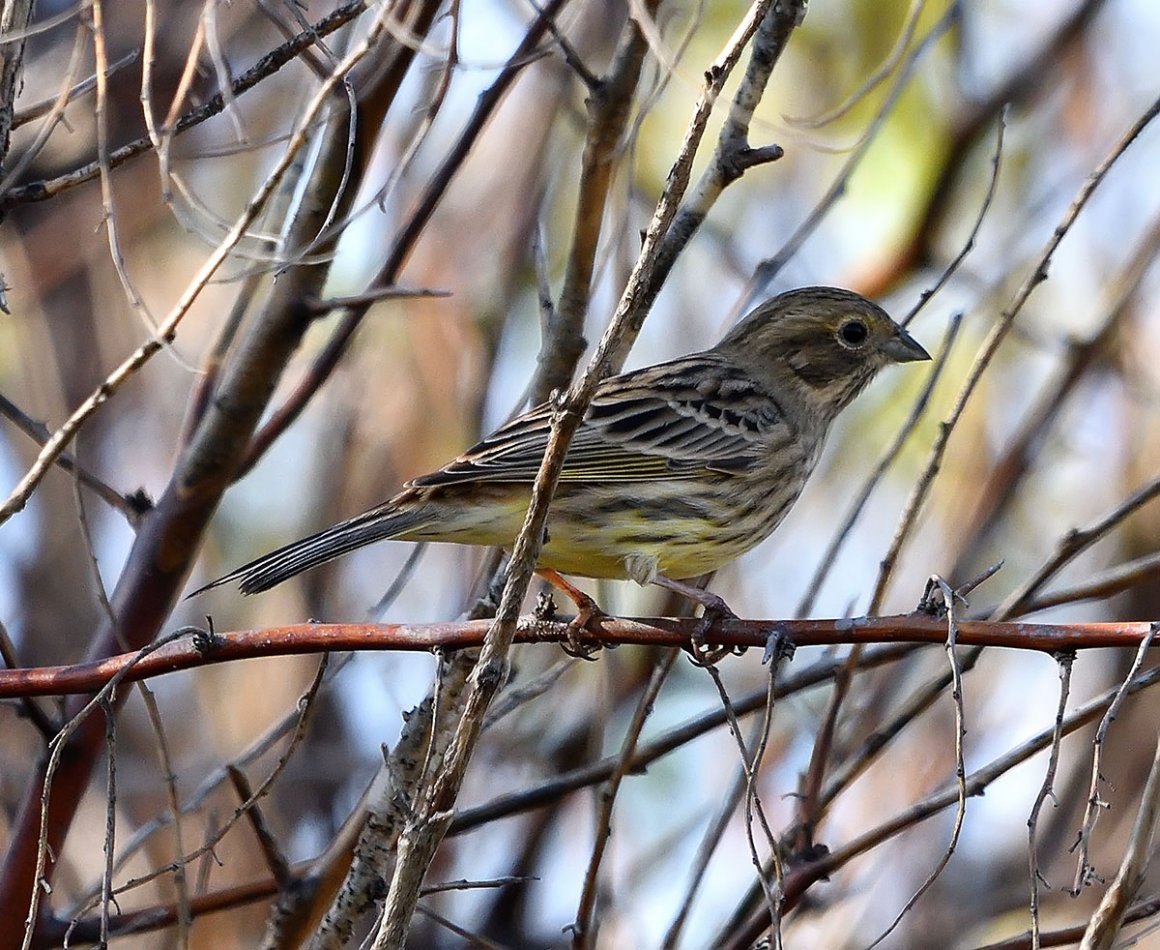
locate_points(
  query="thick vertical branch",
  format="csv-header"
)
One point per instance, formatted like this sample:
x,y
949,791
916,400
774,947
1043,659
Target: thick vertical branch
x,y
609,107
15,15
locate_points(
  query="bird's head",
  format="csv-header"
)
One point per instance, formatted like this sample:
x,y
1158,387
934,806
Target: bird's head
x,y
821,345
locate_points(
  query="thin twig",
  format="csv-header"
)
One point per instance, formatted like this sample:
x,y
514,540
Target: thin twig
x,y
132,506
1066,936
276,861
305,706
584,928
1114,580
750,765
100,116
184,913
1106,922
585,776
56,749
950,600
1046,790
1095,801
969,243
373,295
871,82
609,111
108,844
327,360
1074,543
1082,357
710,841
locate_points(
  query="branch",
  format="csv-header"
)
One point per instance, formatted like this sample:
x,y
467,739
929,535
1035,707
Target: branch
x,y
205,649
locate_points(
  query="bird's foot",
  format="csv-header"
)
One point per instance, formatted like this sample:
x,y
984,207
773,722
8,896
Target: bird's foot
x,y
715,611
577,632
588,612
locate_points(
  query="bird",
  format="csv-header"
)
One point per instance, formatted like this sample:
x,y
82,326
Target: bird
x,y
676,469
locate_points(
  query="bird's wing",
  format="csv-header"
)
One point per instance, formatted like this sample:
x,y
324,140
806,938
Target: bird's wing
x,y
678,420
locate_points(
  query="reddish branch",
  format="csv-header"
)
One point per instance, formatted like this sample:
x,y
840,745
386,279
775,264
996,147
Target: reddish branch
x,y
158,916
201,649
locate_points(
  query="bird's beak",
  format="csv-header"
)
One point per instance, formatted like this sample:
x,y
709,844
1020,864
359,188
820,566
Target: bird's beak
x,y
903,348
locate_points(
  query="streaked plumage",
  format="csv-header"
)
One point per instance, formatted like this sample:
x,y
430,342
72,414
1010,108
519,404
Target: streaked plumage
x,y
677,468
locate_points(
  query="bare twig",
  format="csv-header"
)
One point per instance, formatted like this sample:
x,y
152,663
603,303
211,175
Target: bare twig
x,y
711,840
1073,543
132,506
609,111
1105,924
305,707
969,243
584,928
1081,359
1047,790
1100,586
734,154
1095,801
883,736
871,82
750,764
327,360
950,603
768,269
108,845
56,748
1066,936
373,295
276,861
100,115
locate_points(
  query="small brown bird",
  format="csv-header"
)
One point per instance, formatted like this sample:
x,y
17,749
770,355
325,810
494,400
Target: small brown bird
x,y
676,470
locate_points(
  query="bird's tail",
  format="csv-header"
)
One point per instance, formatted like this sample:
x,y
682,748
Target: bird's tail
x,y
272,569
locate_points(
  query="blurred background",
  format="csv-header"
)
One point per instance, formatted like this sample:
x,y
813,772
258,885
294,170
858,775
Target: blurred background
x,y
1064,425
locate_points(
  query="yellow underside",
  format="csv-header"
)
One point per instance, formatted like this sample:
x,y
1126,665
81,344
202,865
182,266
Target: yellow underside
x,y
625,546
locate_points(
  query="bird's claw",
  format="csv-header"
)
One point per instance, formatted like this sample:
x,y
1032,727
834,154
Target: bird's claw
x,y
699,651
574,644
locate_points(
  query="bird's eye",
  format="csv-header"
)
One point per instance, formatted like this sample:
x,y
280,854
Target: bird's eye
x,y
853,333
